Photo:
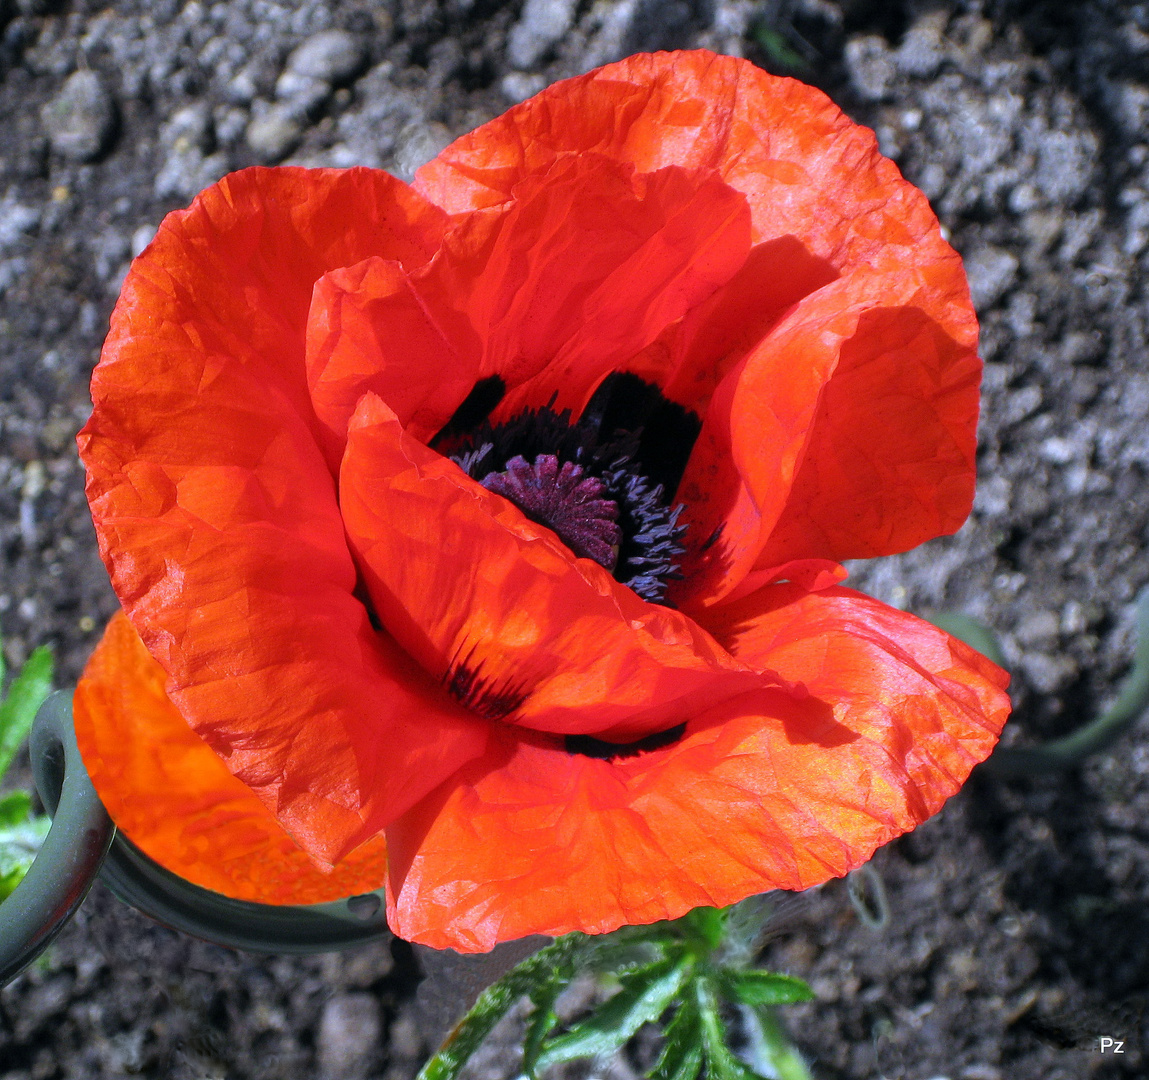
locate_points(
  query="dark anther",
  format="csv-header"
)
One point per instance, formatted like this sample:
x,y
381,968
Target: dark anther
x,y
476,407
589,746
666,431
603,483
562,498
471,689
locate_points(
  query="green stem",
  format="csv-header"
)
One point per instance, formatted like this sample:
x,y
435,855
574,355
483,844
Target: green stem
x,y
1071,750
767,1033
495,1002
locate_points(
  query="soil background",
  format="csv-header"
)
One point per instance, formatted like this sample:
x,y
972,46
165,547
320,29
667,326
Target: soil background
x,y
1019,929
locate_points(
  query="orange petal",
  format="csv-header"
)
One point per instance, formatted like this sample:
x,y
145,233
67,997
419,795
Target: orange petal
x,y
499,610
693,355
217,516
770,456
612,260
806,169
174,798
781,447
373,327
566,283
890,459
764,791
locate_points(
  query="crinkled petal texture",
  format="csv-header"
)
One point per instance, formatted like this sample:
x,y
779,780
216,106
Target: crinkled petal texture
x,y
767,790
573,277
175,799
495,606
852,310
218,517
370,639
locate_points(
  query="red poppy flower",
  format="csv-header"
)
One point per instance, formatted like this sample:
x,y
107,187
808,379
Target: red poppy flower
x,y
502,514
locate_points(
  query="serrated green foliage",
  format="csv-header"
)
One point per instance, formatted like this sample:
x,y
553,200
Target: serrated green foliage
x,y
706,926
685,967
21,834
541,1022
618,952
555,963
15,807
774,1045
25,696
721,1064
746,926
681,1056
753,986
645,994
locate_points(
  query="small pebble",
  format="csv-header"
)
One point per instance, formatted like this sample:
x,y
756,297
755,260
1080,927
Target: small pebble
x,y
418,143
542,23
189,127
81,119
274,133
991,272
304,92
517,86
870,64
921,50
350,1037
143,235
188,166
333,56
16,219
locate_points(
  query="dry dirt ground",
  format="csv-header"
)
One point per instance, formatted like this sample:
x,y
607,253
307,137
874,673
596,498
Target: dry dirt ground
x,y
1019,934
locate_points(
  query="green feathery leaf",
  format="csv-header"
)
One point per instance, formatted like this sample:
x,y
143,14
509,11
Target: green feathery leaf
x,y
24,698
646,993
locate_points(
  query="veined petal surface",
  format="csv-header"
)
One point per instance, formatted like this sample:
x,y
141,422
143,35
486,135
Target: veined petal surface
x,y
822,197
369,638
793,461
768,790
175,799
576,274
217,515
492,605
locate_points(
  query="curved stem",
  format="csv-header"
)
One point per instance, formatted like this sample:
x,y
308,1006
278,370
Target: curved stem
x,y
67,863
1073,749
772,1046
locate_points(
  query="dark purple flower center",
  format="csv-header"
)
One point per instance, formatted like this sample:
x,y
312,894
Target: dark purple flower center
x,y
563,498
604,483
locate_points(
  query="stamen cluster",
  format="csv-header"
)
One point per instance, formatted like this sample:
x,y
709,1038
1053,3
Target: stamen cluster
x,y
587,484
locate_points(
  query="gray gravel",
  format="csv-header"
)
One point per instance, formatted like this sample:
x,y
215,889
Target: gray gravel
x,y
80,120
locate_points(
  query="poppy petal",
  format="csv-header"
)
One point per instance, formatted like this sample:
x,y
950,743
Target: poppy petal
x,y
815,179
613,259
502,613
692,356
887,668
806,169
374,327
764,791
769,457
217,516
890,459
579,272
175,799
